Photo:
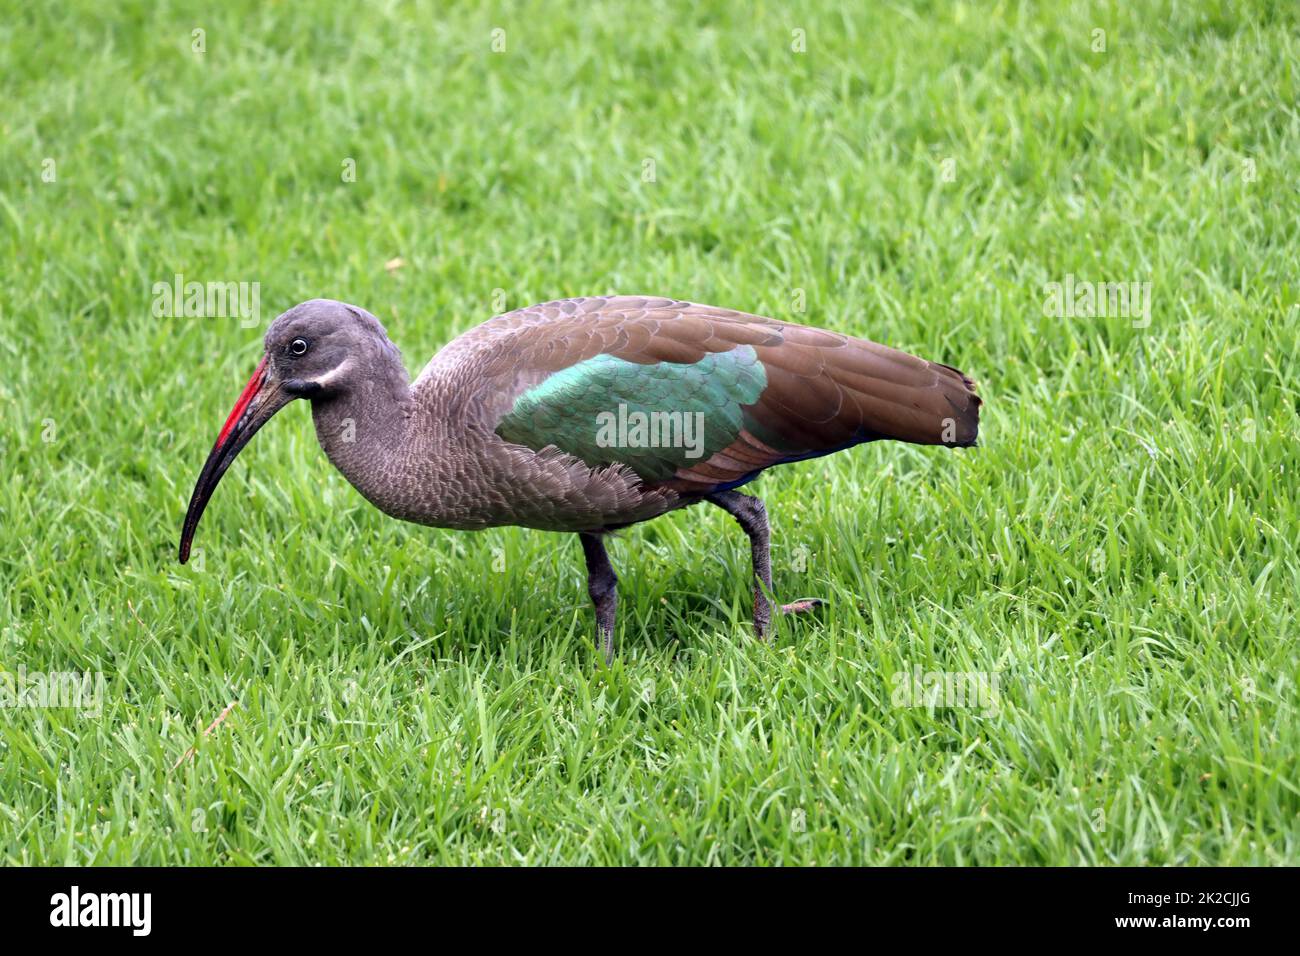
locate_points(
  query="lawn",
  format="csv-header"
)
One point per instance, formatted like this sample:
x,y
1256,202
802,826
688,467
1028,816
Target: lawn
x,y
1116,563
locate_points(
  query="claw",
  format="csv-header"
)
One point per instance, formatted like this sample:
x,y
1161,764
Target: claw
x,y
802,605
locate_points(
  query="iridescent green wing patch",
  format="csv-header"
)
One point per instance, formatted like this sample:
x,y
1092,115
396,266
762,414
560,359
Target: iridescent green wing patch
x,y
653,418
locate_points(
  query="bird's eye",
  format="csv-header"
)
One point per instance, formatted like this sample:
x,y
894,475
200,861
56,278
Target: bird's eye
x,y
298,347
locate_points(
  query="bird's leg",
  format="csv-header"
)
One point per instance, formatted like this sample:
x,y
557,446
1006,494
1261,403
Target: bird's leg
x,y
751,515
602,585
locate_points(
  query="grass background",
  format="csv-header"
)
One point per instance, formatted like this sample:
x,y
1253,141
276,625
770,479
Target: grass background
x,y
1120,550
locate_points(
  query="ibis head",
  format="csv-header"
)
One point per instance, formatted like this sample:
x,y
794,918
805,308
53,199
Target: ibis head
x,y
317,350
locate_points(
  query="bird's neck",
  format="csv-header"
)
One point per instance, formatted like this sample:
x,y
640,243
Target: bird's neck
x,y
368,433
420,456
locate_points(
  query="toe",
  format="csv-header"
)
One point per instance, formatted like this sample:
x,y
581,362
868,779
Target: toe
x,y
802,605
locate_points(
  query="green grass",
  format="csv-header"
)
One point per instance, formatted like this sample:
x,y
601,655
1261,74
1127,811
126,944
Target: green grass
x,y
1120,551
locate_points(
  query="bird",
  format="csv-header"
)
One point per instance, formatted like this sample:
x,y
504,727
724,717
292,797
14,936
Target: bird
x,y
586,416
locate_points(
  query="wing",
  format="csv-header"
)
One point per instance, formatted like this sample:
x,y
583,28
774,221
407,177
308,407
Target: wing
x,y
658,418
699,398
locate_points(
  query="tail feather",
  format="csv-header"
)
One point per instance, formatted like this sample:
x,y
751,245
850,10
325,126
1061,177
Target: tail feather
x,y
823,397
862,391
960,391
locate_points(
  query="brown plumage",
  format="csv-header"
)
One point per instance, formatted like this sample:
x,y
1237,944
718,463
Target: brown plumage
x,y
506,425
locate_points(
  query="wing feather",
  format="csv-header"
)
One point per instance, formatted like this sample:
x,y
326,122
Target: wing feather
x,y
819,391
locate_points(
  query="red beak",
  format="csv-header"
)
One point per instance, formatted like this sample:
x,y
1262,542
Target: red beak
x,y
261,398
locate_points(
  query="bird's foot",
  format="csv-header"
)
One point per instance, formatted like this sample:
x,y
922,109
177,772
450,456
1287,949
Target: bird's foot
x,y
802,605
762,615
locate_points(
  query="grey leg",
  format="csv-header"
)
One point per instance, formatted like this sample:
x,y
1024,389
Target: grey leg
x,y
602,585
751,515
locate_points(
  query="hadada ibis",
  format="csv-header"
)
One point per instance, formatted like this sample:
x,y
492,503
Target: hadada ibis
x,y
586,416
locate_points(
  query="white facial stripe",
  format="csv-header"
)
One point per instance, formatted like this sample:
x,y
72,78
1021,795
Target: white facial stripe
x,y
326,380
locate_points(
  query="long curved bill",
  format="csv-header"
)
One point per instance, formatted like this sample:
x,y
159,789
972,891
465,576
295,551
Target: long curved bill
x,y
261,398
